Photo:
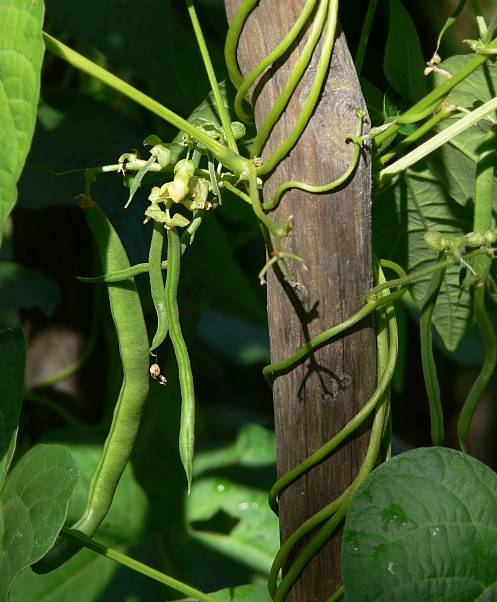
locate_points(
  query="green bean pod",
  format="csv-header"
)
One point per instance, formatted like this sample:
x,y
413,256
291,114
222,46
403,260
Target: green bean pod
x,y
429,367
157,284
187,426
133,347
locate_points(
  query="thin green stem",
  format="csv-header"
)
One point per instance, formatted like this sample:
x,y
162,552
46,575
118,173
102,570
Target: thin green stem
x,y
449,22
418,274
313,97
485,170
135,565
365,31
273,56
320,188
439,139
339,593
418,111
421,131
387,357
264,130
232,39
239,193
216,92
349,428
480,21
223,154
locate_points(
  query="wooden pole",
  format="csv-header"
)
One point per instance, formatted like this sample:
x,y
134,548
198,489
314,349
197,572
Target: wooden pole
x,y
332,232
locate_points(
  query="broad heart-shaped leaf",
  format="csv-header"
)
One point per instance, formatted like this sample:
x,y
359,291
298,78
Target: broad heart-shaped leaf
x,y
253,540
12,364
21,55
402,213
21,287
33,507
422,527
403,63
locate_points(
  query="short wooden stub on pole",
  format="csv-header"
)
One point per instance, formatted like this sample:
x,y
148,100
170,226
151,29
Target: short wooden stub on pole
x,y
332,233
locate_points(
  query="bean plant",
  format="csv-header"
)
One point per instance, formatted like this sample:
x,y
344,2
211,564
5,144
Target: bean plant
x,y
419,525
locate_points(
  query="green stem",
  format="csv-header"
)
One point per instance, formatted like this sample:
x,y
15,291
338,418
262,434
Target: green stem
x,y
339,593
264,130
223,154
480,21
273,56
232,39
317,188
439,139
135,565
366,30
423,129
216,92
387,356
349,428
418,274
311,101
485,169
434,97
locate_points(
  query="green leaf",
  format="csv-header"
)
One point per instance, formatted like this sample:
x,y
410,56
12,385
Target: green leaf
x,y
89,577
455,162
403,63
21,55
126,519
22,288
402,213
33,508
422,527
253,540
12,364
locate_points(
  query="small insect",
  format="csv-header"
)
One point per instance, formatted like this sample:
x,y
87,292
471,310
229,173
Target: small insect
x,y
156,375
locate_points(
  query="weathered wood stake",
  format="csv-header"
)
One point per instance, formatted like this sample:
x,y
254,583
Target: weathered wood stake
x,y
332,232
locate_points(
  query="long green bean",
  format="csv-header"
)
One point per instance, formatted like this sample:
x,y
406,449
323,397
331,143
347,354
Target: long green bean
x,y
187,427
157,284
133,347
429,367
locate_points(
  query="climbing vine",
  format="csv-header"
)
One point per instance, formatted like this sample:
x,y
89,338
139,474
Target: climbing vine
x,y
186,179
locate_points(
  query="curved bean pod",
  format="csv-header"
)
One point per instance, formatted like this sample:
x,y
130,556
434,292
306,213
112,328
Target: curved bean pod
x,y
187,426
157,284
429,367
133,347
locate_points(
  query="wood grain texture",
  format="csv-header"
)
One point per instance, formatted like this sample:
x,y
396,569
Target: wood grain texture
x,y
332,232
